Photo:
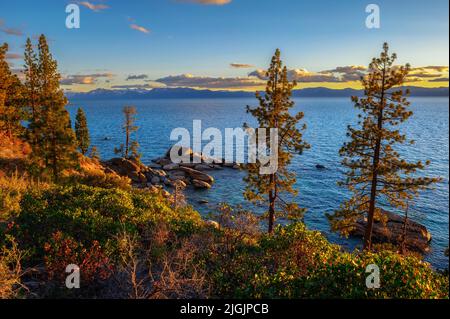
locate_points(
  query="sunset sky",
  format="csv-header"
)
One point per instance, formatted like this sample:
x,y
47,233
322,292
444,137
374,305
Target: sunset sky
x,y
226,44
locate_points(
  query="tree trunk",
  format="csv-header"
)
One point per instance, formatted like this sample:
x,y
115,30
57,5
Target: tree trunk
x,y
376,159
272,198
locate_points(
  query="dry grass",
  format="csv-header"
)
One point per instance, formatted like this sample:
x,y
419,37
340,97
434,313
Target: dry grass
x,y
11,271
12,188
159,267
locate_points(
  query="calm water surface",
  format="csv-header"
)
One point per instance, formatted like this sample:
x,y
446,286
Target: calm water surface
x,y
327,119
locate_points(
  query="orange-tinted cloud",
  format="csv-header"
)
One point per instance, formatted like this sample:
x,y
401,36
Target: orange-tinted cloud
x,y
93,7
139,28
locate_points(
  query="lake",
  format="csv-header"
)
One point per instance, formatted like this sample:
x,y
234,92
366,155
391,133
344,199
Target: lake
x,y
326,118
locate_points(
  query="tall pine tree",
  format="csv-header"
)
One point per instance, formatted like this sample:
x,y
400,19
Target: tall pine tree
x,y
82,132
31,81
11,90
53,140
375,170
273,112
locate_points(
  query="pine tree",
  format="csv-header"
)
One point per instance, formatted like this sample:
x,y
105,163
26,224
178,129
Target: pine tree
x,y
375,170
130,148
273,112
11,100
31,81
53,140
82,132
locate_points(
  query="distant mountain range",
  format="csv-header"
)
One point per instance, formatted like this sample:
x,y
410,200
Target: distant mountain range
x,y
183,93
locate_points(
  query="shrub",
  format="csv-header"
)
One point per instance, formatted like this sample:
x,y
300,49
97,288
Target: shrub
x,y
297,263
11,270
63,250
89,214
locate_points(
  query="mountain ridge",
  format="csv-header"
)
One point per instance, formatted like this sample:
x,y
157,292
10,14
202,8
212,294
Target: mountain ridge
x,y
163,93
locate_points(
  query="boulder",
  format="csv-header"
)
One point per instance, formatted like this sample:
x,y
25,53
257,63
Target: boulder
x,y
154,165
203,167
200,184
388,228
164,161
159,172
155,180
212,224
170,167
125,164
134,176
198,175
142,178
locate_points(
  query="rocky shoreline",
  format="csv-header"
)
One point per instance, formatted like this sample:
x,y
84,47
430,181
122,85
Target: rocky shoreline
x,y
162,172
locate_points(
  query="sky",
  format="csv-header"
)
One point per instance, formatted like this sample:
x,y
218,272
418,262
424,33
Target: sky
x,y
227,44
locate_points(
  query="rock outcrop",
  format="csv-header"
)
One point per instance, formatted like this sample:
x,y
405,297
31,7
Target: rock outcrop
x,y
389,228
163,172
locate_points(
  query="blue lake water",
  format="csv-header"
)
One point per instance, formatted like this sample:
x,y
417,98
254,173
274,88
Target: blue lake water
x,y
326,118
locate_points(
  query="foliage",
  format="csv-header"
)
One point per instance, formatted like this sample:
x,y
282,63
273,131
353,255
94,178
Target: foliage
x,y
376,170
82,132
62,250
273,113
11,100
11,270
50,134
297,263
90,214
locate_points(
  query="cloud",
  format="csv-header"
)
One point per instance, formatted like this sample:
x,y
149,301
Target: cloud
x,y
347,73
93,7
8,30
137,77
208,2
139,28
146,86
84,78
188,80
445,79
435,68
241,65
13,56
301,76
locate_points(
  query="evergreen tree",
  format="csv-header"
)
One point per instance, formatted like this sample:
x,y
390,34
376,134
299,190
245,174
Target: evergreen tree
x,y
11,89
376,172
53,140
130,148
82,132
31,83
273,112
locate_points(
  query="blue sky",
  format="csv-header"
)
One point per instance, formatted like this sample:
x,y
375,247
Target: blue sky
x,y
202,40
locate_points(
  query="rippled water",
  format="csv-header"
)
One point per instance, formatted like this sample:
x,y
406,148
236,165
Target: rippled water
x,y
327,119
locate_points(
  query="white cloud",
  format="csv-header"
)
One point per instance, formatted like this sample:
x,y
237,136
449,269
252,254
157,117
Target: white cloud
x,y
189,80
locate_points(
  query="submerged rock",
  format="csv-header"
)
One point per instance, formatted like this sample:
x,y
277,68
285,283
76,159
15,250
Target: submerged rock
x,y
319,166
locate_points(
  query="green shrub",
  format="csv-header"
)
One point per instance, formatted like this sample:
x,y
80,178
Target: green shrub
x,y
90,214
297,263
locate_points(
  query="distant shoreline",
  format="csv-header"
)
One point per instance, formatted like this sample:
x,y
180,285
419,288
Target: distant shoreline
x,y
183,93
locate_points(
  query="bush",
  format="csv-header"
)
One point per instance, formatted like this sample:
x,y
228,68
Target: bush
x,y
89,214
297,263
